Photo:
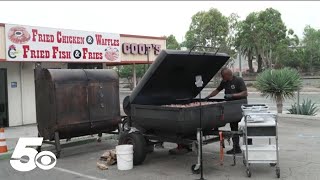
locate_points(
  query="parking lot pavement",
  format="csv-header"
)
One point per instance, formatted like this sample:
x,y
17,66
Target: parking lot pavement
x,y
299,159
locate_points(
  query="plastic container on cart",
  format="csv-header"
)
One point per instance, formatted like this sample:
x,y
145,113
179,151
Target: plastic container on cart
x,y
254,108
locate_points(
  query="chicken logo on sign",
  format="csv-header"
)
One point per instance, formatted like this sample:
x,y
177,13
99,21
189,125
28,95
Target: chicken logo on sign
x,y
18,35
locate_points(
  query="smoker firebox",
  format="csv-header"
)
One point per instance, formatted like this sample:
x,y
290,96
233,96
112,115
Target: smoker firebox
x,y
76,102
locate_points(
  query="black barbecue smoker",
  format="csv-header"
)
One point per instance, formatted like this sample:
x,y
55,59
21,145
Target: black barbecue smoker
x,y
76,102
171,80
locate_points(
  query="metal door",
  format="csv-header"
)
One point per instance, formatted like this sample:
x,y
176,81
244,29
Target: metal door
x,y
4,119
71,103
103,98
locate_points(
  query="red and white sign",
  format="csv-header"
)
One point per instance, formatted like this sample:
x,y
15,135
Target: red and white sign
x,y
27,43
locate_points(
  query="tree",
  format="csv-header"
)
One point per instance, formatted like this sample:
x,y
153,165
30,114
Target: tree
x,y
259,35
311,44
172,43
288,52
183,44
245,38
279,84
126,71
272,31
303,55
207,28
233,28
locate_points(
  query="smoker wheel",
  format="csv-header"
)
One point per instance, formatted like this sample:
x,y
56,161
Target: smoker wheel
x,y
139,145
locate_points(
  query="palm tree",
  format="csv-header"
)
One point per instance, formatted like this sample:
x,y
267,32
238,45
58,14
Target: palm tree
x,y
245,40
279,84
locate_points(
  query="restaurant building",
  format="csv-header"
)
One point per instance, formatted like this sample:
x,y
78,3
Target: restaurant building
x,y
23,47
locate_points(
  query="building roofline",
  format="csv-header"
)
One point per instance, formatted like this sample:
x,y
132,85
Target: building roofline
x,y
140,36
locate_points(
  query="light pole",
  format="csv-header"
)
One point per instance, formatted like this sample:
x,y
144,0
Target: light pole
x,y
298,92
148,56
134,75
240,65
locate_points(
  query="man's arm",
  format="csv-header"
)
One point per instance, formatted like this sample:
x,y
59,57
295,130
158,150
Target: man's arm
x,y
240,94
213,93
216,91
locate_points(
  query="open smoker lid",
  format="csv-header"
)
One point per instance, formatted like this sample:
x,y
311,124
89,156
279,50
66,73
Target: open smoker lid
x,y
171,77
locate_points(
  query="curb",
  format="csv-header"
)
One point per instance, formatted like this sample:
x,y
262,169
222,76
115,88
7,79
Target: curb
x,y
6,155
77,142
299,118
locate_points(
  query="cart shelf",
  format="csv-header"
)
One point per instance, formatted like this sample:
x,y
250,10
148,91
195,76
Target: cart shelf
x,y
263,153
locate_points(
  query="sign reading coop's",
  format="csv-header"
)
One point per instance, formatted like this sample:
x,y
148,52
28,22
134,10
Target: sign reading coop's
x,y
28,43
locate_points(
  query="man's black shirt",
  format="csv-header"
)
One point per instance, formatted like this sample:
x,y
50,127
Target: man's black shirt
x,y
236,85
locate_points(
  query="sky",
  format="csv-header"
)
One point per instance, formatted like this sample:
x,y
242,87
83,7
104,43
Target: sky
x,y
157,18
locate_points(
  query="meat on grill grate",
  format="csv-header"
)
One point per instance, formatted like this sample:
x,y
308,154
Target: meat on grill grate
x,y
193,104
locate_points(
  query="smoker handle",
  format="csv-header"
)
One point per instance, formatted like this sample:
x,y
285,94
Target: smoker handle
x,y
207,47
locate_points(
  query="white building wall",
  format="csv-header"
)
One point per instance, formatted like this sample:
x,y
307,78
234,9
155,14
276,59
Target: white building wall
x,y
21,99
14,94
28,94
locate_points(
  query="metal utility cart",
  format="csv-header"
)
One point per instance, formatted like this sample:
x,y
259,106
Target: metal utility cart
x,y
259,123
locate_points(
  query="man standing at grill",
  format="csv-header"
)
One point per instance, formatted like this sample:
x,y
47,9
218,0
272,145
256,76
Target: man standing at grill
x,y
234,88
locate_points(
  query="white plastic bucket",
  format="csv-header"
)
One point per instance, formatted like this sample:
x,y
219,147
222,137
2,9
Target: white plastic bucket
x,y
124,157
